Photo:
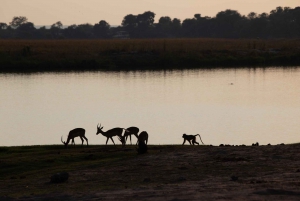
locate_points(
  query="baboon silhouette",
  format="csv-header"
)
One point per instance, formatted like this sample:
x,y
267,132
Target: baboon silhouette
x,y
190,138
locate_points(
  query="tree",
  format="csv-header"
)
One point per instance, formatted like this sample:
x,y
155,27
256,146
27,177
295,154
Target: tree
x,y
17,21
56,29
227,22
3,25
101,29
57,25
279,22
26,30
84,31
129,20
189,27
146,19
28,26
70,31
129,23
252,15
145,24
197,16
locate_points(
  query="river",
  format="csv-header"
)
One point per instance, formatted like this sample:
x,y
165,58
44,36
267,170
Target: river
x,y
232,106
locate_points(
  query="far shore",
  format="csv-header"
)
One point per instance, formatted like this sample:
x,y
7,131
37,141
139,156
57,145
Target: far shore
x,y
165,172
146,54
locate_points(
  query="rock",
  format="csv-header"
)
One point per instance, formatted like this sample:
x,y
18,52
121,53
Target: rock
x,y
59,177
147,180
234,178
181,179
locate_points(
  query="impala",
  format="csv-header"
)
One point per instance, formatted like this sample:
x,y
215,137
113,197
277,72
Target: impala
x,y
110,133
77,132
131,131
143,137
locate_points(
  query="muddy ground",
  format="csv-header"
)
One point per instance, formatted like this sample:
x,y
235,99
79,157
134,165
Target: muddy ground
x,y
165,173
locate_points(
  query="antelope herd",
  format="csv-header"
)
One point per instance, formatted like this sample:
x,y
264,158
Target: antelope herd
x,y
109,134
142,138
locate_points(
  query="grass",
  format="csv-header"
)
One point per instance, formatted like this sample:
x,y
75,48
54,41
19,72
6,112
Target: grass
x,y
66,55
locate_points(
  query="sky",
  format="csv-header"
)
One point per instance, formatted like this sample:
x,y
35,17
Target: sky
x,y
47,12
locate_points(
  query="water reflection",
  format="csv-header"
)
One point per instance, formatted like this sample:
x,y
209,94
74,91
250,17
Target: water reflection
x,y
233,106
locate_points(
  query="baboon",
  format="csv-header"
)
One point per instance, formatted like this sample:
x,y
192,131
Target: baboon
x,y
190,138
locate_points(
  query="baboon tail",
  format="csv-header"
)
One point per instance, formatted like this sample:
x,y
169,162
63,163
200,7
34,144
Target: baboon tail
x,y
200,138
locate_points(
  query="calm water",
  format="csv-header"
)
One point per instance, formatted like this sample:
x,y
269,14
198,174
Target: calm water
x,y
224,106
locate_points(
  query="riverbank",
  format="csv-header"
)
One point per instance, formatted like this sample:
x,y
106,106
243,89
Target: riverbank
x,y
171,172
146,54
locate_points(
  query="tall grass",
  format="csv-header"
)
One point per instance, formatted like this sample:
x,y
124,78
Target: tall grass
x,y
139,53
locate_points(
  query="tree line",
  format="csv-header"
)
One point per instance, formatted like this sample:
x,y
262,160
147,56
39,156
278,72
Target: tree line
x,y
279,23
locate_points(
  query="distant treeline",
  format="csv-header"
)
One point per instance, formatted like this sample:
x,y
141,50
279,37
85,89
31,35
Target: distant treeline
x,y
279,23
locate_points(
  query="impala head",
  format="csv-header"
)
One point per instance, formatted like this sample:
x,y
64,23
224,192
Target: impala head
x,y
99,129
122,139
64,142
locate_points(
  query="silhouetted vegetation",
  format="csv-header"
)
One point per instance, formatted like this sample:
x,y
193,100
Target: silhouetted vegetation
x,y
279,23
226,40
140,54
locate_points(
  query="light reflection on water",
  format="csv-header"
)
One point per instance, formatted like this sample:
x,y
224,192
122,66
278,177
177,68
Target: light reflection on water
x,y
225,106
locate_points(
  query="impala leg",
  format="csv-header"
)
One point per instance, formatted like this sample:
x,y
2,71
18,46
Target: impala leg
x,y
107,140
137,138
112,140
86,140
130,139
81,141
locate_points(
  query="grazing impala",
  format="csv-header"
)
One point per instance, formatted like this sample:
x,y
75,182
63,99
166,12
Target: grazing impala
x,y
131,131
142,142
77,132
143,137
110,133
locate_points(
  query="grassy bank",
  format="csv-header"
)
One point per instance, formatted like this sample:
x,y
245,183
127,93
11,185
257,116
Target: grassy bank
x,y
174,171
134,54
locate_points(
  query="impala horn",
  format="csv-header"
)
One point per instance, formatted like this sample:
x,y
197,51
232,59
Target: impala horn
x,y
63,141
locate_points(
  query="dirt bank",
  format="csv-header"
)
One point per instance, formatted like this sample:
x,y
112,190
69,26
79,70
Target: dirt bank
x,y
164,173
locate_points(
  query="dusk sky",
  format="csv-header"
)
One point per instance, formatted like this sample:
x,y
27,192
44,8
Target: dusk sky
x,y
42,12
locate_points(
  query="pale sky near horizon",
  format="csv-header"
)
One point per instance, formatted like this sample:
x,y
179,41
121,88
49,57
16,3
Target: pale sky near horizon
x,y
42,12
